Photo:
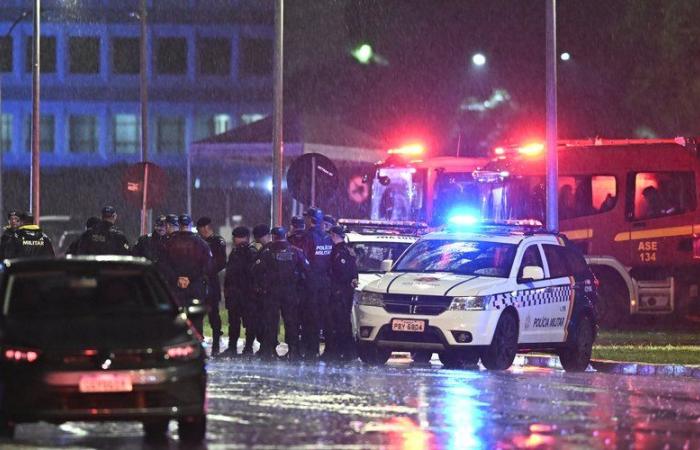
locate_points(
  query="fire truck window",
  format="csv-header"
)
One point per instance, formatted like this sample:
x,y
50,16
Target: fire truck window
x,y
660,194
531,257
556,259
604,192
586,195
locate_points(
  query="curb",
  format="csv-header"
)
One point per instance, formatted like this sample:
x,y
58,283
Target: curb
x,y
615,367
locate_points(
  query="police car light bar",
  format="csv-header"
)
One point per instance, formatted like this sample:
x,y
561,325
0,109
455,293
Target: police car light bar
x,y
383,226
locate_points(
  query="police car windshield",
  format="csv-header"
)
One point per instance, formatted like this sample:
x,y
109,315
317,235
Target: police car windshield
x,y
483,258
58,293
371,254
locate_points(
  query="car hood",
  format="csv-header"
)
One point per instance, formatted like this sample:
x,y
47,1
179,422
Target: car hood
x,y
441,284
107,332
365,278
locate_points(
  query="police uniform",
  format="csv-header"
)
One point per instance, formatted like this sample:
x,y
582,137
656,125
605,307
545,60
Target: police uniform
x,y
296,237
217,245
256,323
317,247
343,275
9,231
238,292
151,246
279,268
28,241
104,238
186,255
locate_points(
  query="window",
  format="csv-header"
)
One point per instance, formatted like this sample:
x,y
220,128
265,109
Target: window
x,y
171,135
586,195
48,54
484,258
658,194
576,262
556,259
250,118
47,130
6,54
214,56
5,132
83,134
371,254
531,257
256,56
84,54
172,56
126,137
206,126
125,55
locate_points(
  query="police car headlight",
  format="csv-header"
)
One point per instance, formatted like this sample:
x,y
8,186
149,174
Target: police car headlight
x,y
371,299
471,303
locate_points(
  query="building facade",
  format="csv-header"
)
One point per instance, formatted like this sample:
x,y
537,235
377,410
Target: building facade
x,y
209,69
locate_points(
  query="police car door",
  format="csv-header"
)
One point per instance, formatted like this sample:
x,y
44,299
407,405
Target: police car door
x,y
562,289
531,296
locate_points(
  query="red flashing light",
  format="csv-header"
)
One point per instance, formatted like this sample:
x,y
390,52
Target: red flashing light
x,y
533,149
20,355
185,351
410,150
499,151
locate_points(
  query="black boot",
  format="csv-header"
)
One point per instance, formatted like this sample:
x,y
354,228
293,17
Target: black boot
x,y
215,343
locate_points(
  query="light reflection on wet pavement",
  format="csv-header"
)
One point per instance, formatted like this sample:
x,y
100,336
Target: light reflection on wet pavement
x,y
269,405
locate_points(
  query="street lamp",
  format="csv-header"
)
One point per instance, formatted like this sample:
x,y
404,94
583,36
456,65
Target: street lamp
x,y
2,155
566,56
478,59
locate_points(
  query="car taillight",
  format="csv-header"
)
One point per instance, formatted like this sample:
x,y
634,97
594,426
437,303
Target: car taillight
x,y
182,352
20,355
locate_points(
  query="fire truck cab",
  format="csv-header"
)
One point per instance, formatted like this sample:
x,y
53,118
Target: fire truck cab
x,y
406,186
631,206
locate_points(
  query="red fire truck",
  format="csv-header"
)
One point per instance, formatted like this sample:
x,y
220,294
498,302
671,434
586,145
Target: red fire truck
x,y
407,186
630,205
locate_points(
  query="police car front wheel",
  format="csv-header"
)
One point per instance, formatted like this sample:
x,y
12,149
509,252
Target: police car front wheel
x,y
372,355
576,355
504,345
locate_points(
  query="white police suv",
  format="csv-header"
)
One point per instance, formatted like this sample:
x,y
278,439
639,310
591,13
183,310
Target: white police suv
x,y
482,294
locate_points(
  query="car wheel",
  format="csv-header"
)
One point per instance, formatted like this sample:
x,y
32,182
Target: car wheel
x,y
459,359
192,429
155,430
421,357
504,345
373,355
576,356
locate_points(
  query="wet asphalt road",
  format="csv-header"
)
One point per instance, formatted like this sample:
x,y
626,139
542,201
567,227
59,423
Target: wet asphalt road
x,y
270,405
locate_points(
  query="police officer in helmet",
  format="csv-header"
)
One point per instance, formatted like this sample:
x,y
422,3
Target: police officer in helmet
x,y
279,268
28,241
218,249
186,266
172,224
261,238
238,292
151,246
317,247
344,278
104,238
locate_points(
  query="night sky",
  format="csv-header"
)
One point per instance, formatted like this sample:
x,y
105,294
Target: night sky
x,y
427,48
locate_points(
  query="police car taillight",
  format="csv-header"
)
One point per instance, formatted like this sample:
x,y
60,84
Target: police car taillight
x,y
182,352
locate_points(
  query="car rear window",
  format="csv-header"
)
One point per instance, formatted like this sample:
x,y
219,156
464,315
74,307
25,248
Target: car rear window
x,y
51,293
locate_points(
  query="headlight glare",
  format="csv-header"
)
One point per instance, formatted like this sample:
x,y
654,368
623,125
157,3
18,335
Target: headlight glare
x,y
470,303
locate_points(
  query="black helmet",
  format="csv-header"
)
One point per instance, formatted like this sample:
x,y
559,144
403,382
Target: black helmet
x,y
241,232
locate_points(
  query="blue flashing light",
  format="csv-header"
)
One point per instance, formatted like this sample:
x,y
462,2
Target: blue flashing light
x,y
464,218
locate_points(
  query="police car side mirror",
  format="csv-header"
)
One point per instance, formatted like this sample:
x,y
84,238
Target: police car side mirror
x,y
385,265
532,273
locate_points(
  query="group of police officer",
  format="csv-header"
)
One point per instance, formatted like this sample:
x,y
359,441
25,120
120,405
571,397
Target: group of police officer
x,y
306,276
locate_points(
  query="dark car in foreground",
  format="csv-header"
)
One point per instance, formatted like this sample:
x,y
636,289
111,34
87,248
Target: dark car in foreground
x,y
98,339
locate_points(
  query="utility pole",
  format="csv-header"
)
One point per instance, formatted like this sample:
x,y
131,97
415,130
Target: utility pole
x,y
143,69
35,173
551,127
277,116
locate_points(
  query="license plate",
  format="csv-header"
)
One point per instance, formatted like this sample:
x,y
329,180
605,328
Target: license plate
x,y
105,382
412,326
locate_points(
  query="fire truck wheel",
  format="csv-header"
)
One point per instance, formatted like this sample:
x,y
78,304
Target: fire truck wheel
x,y
576,355
612,307
504,345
